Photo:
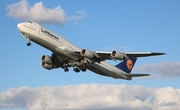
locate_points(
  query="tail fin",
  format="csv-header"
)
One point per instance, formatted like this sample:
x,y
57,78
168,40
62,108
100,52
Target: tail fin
x,y
127,65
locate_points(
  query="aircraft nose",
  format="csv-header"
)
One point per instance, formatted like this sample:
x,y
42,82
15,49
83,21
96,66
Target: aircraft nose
x,y
19,26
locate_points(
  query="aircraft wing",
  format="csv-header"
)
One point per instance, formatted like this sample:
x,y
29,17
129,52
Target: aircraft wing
x,y
108,55
142,54
98,56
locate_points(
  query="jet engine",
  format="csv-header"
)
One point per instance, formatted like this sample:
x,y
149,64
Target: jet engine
x,y
47,62
117,55
46,59
87,54
47,66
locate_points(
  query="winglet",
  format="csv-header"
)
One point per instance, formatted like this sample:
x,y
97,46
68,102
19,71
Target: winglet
x,y
127,65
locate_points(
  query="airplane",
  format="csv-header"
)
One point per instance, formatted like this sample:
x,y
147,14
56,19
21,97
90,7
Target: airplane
x,y
66,55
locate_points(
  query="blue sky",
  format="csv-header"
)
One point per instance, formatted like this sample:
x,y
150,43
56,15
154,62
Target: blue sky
x,y
95,25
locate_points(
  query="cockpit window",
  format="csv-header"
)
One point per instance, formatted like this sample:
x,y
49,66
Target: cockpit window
x,y
30,21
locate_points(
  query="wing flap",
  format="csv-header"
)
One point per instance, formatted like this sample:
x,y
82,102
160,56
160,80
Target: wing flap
x,y
104,55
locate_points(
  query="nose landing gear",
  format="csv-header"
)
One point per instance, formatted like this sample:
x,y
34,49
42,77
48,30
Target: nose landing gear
x,y
29,43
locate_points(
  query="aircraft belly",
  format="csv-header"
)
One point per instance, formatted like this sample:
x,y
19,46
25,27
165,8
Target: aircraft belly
x,y
91,68
62,51
103,69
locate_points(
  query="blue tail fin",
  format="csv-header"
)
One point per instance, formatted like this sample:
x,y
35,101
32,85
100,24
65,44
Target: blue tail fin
x,y
127,65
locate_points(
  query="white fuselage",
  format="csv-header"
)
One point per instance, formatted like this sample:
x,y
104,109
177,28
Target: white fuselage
x,y
63,48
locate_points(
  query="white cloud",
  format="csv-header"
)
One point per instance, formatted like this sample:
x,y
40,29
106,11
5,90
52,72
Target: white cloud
x,y
162,70
39,13
91,96
81,15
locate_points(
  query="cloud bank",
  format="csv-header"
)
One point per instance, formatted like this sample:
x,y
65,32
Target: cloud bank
x,y
162,70
92,96
40,13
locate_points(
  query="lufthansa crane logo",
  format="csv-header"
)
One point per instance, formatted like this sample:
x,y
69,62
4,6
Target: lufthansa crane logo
x,y
129,64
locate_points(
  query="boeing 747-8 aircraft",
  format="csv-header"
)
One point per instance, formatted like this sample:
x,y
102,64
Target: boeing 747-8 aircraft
x,y
66,55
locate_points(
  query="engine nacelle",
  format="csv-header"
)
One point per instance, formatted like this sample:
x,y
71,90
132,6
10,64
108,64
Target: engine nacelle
x,y
87,54
117,55
46,59
47,66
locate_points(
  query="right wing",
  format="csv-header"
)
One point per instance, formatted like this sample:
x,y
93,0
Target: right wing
x,y
142,54
125,55
98,56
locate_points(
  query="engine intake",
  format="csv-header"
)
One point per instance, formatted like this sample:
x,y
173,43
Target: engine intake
x,y
46,59
117,55
87,54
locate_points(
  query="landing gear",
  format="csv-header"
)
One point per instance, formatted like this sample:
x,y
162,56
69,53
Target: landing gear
x,y
66,70
29,43
76,70
65,66
77,65
83,69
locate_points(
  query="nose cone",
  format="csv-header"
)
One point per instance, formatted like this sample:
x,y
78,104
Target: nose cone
x,y
20,26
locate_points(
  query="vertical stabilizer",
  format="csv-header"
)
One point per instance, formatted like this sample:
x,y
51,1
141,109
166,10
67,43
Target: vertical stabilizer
x,y
127,65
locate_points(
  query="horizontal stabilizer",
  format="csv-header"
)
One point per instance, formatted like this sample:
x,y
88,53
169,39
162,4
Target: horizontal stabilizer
x,y
135,75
